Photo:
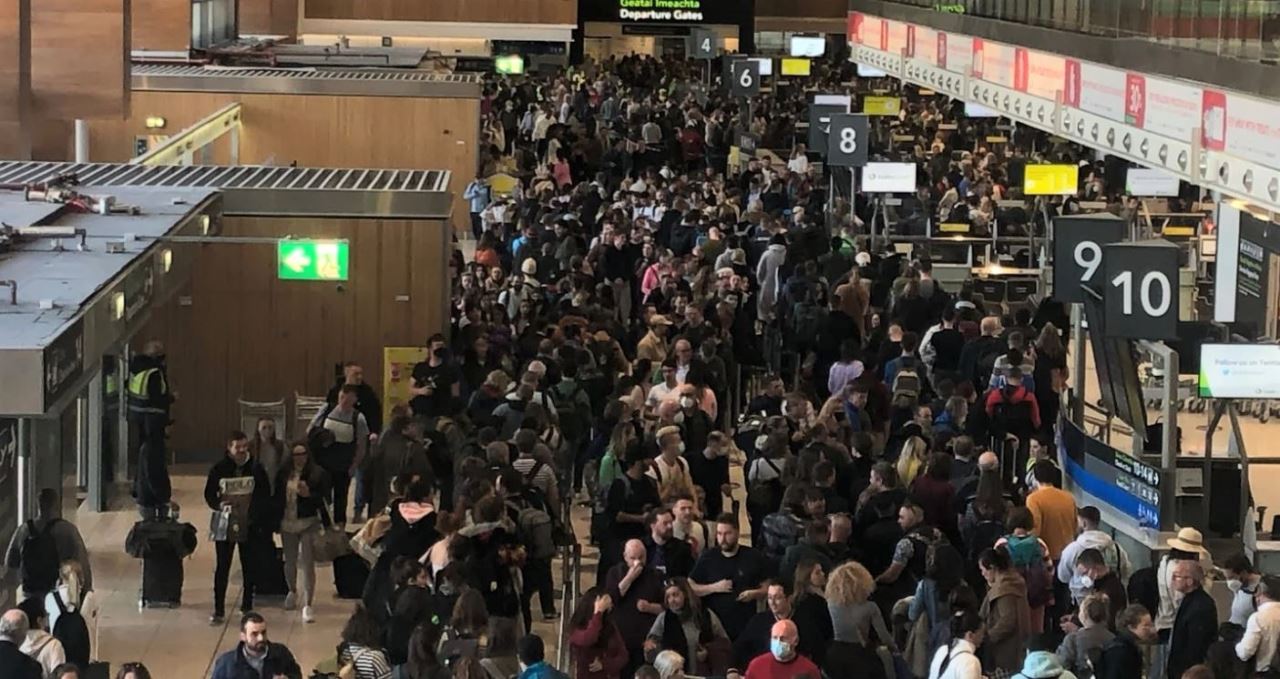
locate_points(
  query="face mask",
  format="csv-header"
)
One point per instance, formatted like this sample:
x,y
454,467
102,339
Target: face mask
x,y
1086,581
1235,585
681,448
780,649
686,403
679,419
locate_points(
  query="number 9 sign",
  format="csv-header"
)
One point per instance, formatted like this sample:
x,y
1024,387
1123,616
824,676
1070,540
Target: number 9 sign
x,y
1078,241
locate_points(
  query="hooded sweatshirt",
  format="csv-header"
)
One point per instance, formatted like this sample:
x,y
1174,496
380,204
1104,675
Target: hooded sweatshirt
x,y
44,649
1008,619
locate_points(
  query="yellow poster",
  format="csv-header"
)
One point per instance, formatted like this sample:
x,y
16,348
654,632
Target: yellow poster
x,y
397,376
881,106
1050,180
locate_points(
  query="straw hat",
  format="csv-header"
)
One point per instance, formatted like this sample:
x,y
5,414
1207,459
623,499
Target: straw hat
x,y
1188,540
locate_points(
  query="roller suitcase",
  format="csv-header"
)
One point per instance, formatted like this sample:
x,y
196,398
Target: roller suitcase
x,y
161,581
349,575
270,581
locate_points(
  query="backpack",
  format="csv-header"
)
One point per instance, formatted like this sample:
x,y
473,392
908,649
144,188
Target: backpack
x,y
454,648
985,535
72,630
806,323
906,386
537,530
1028,559
575,417
764,497
40,561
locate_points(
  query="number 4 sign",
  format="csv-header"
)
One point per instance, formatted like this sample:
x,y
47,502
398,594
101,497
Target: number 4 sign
x,y
1140,290
702,44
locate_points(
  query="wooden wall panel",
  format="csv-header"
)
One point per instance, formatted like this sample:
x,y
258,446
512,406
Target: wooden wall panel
x,y
161,25
269,17
483,11
802,8
247,335
319,131
15,79
80,58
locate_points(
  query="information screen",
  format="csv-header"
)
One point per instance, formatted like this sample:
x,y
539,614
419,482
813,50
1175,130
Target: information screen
x,y
766,65
1050,180
1240,371
511,64
668,11
1144,182
881,106
972,110
807,46
796,67
889,178
865,71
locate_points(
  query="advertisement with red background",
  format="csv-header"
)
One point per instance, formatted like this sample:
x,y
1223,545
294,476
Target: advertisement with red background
x,y
896,36
997,62
1250,127
1020,65
855,27
979,61
1135,99
942,49
884,35
911,41
1213,121
959,53
1071,83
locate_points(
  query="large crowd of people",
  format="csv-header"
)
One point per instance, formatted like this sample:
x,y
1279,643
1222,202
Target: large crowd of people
x,y
646,310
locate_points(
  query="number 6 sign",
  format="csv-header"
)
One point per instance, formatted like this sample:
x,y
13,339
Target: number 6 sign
x,y
1077,252
847,140
744,79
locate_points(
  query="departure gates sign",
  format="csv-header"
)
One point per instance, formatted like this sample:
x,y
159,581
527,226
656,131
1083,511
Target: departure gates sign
x,y
313,260
681,11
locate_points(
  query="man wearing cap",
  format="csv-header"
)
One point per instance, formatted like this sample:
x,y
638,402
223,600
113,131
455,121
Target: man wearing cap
x,y
653,345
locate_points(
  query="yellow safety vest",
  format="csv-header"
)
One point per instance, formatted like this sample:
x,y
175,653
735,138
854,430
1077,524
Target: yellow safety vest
x,y
139,399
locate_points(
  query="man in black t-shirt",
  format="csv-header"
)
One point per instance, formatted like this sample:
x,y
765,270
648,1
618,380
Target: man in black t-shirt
x,y
627,502
436,380
730,578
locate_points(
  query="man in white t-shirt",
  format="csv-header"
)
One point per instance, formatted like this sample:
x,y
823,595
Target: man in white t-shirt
x,y
664,390
342,445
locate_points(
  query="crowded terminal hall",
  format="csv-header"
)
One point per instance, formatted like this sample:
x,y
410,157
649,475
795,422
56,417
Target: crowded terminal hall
x,y
725,398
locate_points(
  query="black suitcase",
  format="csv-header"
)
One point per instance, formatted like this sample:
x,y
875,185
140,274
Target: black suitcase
x,y
349,575
161,581
270,580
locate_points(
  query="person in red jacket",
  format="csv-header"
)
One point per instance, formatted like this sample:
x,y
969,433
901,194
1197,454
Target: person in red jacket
x,y
598,649
1011,393
783,661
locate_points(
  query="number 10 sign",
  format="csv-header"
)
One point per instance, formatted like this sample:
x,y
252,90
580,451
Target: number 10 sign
x,y
1140,290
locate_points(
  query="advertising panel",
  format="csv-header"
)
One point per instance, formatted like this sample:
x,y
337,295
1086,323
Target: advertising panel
x,y
1096,89
959,50
1244,127
1050,180
1173,108
1240,370
1044,74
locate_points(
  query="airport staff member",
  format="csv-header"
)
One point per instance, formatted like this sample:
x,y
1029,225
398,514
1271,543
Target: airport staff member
x,y
149,395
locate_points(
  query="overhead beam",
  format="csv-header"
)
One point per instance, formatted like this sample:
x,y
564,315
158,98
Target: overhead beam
x,y
180,149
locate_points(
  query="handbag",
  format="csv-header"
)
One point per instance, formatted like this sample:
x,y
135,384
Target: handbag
x,y
367,542
329,542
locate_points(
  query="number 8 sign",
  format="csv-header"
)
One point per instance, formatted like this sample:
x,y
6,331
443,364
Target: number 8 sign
x,y
847,141
1077,252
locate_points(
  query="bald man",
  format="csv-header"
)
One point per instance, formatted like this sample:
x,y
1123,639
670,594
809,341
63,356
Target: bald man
x,y
988,346
636,589
1195,626
14,664
782,661
988,463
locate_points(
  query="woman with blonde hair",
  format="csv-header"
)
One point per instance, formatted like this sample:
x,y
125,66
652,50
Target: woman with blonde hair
x,y
70,595
853,615
915,452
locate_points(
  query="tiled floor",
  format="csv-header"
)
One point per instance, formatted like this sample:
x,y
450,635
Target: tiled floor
x,y
179,643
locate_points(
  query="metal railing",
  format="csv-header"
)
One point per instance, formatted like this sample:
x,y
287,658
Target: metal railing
x,y
180,149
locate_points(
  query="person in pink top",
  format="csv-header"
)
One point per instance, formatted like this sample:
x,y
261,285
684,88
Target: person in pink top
x,y
782,661
653,274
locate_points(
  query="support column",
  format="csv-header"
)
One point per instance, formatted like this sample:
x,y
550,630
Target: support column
x,y
96,500
123,472
82,140
24,470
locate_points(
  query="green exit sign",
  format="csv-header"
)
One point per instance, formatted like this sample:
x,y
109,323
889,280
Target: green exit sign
x,y
313,260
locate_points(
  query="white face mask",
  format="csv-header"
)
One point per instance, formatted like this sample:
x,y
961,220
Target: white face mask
x,y
681,448
1235,585
1086,581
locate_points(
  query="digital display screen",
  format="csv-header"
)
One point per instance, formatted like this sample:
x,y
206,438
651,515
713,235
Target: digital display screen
x,y
881,106
865,71
1050,180
766,65
1240,371
807,46
511,64
796,67
667,11
889,178
979,111
1147,182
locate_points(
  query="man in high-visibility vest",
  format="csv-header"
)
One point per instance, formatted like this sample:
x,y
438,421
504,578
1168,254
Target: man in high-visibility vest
x,y
149,402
